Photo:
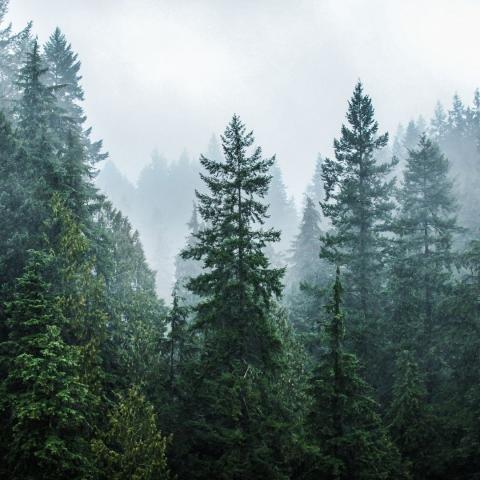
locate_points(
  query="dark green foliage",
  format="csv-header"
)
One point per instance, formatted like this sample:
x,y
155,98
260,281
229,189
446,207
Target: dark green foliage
x,y
348,440
358,202
233,417
43,392
410,422
422,254
132,448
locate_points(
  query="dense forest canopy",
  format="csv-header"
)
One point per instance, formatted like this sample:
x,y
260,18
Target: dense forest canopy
x,y
248,340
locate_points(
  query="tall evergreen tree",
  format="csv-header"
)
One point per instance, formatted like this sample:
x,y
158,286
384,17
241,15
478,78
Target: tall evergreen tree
x,y
308,274
13,47
132,448
282,211
347,436
46,390
358,203
423,253
185,269
232,410
409,417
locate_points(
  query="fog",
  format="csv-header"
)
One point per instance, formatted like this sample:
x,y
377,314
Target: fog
x,y
169,74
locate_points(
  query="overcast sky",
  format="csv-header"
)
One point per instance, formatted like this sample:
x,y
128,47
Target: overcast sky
x,y
169,73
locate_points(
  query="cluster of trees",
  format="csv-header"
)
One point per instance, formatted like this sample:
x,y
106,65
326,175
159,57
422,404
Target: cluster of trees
x,y
359,360
162,201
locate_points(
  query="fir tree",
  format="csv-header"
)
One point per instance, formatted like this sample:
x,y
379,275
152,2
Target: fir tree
x,y
346,432
358,203
409,418
132,448
307,274
232,407
423,253
43,392
185,269
13,48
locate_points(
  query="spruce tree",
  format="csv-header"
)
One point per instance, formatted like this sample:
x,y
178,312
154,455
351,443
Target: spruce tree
x,y
185,269
348,440
47,402
232,413
132,448
410,424
282,211
423,255
358,202
13,48
308,274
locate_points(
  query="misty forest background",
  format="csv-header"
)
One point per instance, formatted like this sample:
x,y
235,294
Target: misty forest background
x,y
248,340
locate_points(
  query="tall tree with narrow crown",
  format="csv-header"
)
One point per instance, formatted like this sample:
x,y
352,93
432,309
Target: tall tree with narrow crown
x,y
423,255
348,439
359,205
231,406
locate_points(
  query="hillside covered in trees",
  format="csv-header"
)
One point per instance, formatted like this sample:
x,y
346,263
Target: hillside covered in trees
x,y
342,343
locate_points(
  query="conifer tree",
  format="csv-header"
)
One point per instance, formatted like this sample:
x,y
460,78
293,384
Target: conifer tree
x,y
132,448
409,418
315,189
358,203
13,48
63,76
43,392
346,432
231,405
282,211
63,69
423,253
185,269
308,273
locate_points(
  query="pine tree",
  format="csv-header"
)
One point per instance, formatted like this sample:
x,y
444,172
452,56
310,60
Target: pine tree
x,y
63,74
185,269
316,189
307,274
423,254
409,418
13,48
347,436
358,203
43,392
231,409
282,211
132,448
438,124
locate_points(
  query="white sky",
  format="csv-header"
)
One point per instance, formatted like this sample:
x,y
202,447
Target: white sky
x,y
169,73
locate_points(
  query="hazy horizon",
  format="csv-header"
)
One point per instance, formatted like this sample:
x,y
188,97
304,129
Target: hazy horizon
x,y
167,75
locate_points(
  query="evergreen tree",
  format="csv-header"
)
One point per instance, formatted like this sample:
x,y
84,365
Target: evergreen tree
x,y
282,211
43,392
185,269
231,407
347,436
316,189
359,205
13,47
63,74
423,253
132,448
410,423
307,274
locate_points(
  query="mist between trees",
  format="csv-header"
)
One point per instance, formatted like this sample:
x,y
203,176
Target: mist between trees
x,y
249,341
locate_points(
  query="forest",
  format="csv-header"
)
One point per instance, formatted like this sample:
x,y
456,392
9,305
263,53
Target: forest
x,y
341,342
